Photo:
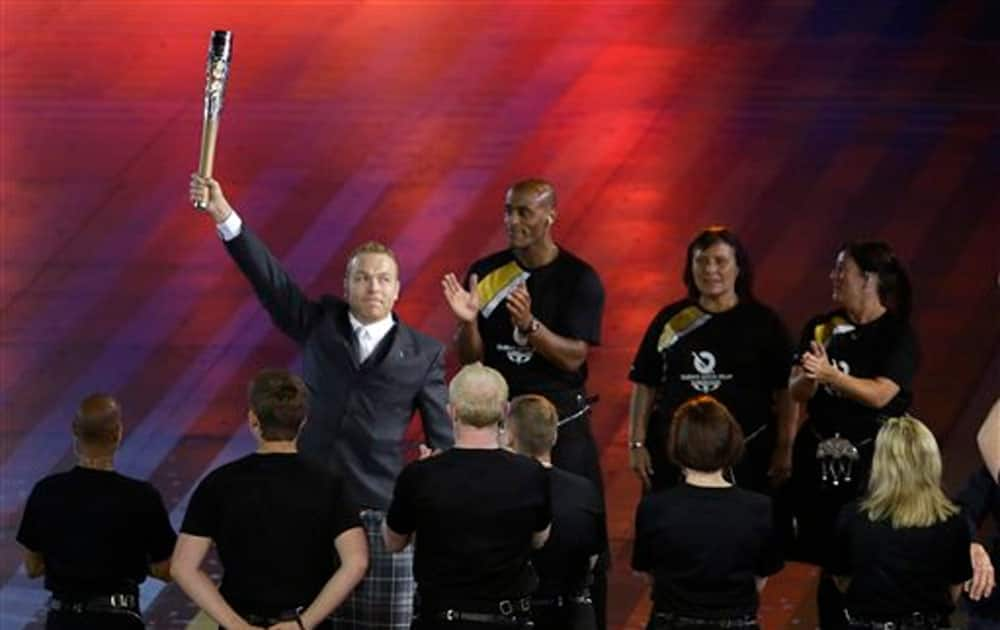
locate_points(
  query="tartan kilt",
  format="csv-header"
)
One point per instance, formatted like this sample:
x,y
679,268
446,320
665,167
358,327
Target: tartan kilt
x,y
384,598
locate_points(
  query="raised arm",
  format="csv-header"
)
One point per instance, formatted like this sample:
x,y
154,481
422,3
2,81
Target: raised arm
x,y
288,306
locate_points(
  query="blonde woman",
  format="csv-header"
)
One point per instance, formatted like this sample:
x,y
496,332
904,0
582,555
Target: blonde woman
x,y
901,553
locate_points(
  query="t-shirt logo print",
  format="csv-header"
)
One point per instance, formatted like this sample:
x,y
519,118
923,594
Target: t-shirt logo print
x,y
516,354
704,379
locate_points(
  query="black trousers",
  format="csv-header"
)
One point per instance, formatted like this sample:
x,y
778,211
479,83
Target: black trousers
x,y
60,620
572,616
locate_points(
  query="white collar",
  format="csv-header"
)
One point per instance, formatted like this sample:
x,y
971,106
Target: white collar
x,y
377,330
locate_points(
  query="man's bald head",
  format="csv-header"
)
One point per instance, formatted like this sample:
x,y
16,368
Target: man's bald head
x,y
478,396
98,421
538,191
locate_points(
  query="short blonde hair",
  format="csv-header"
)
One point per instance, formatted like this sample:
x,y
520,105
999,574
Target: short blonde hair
x,y
535,424
371,247
478,395
905,483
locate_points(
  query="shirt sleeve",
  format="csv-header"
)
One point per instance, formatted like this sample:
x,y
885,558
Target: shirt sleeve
x,y
777,360
202,517
647,366
900,362
29,533
961,567
230,228
160,534
346,514
583,316
401,516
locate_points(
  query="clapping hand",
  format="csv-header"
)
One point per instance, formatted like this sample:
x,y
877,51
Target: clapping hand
x,y
464,303
816,364
519,307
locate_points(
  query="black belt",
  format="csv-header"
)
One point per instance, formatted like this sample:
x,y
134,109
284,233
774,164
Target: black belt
x,y
723,622
559,601
120,603
906,622
507,611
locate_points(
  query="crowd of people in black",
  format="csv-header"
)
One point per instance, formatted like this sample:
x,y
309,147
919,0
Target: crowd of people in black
x,y
751,449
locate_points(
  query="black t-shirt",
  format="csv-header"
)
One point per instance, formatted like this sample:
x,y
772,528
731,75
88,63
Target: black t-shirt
x,y
895,572
97,530
578,532
740,356
704,547
273,518
885,347
566,296
473,512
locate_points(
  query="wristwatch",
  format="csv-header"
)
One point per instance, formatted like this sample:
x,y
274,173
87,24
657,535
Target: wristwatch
x,y
636,444
521,334
531,328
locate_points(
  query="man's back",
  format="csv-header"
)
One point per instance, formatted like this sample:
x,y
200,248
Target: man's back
x,y
578,532
97,530
273,518
473,512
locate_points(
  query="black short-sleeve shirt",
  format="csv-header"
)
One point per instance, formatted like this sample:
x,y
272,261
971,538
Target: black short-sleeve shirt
x,y
578,532
740,356
885,347
473,512
895,572
704,547
98,531
566,296
273,518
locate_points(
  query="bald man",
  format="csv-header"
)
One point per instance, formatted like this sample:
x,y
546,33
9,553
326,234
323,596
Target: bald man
x,y
95,534
533,311
478,511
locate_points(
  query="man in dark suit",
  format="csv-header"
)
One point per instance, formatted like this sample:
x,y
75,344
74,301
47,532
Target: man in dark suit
x,y
367,372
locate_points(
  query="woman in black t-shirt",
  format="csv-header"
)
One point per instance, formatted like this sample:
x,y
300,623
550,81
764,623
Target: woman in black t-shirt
x,y
719,341
856,369
902,553
709,545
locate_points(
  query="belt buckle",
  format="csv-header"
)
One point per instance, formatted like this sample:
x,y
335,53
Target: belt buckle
x,y
118,600
506,608
451,615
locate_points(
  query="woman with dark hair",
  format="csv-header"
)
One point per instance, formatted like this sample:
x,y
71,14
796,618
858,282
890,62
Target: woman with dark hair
x,y
855,370
718,340
902,553
708,545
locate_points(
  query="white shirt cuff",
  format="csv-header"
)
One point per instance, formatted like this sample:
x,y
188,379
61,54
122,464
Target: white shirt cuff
x,y
230,228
